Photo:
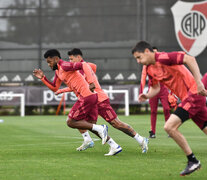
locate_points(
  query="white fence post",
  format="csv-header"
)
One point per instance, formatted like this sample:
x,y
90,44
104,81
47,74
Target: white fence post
x,y
126,98
22,101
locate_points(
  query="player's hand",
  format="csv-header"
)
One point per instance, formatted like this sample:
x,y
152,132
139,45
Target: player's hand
x,y
38,73
203,92
201,89
58,92
142,98
92,87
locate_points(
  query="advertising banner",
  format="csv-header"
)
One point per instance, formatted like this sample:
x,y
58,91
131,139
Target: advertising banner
x,y
39,95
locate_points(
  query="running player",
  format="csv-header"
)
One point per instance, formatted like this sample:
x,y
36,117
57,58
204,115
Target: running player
x,y
168,69
83,114
153,102
105,111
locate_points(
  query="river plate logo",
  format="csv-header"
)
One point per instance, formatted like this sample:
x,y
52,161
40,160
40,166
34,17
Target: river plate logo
x,y
190,20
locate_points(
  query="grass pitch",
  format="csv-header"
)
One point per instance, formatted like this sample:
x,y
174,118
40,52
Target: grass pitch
x,y
44,148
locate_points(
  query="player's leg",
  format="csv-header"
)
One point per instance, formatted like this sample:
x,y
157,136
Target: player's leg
x,y
171,127
79,124
153,102
114,147
205,129
87,141
127,129
102,130
106,112
85,111
200,119
166,106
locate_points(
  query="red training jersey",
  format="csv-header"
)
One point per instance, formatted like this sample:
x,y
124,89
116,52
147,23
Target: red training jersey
x,y
170,71
102,96
67,73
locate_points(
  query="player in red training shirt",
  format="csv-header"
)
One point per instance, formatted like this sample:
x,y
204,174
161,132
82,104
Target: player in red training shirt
x,y
105,111
83,114
168,69
153,102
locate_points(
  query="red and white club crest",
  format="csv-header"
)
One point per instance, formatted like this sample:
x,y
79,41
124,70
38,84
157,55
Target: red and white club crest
x,y
190,21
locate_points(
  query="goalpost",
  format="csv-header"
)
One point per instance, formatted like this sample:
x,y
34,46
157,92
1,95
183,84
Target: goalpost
x,y
22,101
126,98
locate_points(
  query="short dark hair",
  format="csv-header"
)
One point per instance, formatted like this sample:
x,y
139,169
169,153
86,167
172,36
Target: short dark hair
x,y
154,47
52,53
141,46
75,52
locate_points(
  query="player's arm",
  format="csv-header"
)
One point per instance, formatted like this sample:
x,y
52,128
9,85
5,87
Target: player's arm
x,y
71,66
193,66
153,91
74,66
178,58
54,86
93,67
60,91
89,73
143,79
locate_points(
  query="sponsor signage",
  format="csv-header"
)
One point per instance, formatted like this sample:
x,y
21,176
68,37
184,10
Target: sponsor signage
x,y
39,95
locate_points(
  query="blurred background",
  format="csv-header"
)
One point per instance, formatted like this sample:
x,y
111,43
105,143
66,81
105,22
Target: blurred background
x,y
105,30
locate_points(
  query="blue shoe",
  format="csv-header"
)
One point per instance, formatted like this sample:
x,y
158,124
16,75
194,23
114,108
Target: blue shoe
x,y
85,145
145,145
113,151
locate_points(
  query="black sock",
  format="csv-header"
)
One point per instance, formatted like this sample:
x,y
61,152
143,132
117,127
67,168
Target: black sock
x,y
192,158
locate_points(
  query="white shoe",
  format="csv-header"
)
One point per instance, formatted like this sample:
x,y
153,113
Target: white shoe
x,y
144,145
85,145
104,133
114,151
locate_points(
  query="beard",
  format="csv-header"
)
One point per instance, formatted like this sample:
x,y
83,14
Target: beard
x,y
55,67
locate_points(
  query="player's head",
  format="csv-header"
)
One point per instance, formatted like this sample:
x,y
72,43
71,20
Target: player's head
x,y
75,55
52,57
155,49
143,53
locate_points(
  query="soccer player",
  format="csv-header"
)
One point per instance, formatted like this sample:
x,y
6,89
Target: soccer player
x,y
153,102
83,114
168,69
105,111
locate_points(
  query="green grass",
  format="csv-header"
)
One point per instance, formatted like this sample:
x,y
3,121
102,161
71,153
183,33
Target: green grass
x,y
44,148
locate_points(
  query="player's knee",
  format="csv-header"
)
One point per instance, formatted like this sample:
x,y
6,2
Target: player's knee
x,y
69,122
167,128
205,130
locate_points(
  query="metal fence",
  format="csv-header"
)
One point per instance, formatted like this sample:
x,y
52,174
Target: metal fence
x,y
105,30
